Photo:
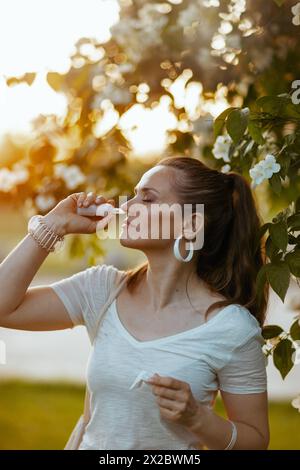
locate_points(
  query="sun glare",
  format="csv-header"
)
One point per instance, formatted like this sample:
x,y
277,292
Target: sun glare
x,y
39,36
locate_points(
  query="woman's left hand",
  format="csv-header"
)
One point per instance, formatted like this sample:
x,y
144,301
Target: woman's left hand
x,y
175,400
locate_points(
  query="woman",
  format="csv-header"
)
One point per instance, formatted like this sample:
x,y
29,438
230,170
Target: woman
x,y
196,324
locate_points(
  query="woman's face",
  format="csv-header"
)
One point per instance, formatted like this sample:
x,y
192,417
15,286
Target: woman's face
x,y
151,221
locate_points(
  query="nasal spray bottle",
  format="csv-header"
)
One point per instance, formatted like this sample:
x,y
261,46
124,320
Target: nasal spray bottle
x,y
101,210
105,210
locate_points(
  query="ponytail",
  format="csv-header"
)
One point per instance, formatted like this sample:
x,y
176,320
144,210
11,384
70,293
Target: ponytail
x,y
244,257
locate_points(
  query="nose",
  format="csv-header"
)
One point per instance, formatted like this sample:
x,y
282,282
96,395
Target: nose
x,y
126,205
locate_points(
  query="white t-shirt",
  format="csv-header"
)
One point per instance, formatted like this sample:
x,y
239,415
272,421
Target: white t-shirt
x,y
223,354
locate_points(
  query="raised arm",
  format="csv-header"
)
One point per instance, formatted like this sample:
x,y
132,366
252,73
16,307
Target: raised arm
x,y
39,308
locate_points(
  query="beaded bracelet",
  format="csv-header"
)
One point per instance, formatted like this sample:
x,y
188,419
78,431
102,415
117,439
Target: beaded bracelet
x,y
233,436
42,233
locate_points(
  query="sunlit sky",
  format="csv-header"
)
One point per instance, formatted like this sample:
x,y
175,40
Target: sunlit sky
x,y
39,36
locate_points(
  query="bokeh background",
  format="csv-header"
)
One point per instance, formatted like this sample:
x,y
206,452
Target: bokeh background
x,y
92,94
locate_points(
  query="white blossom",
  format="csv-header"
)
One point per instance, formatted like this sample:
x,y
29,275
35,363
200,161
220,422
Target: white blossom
x,y
138,34
257,174
296,403
225,168
221,147
270,165
113,93
10,178
7,181
296,12
188,16
211,3
44,202
235,9
20,173
71,174
264,170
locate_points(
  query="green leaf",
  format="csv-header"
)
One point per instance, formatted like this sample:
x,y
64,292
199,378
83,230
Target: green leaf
x,y
294,222
275,183
278,275
271,331
279,235
236,123
276,258
284,161
290,110
282,357
295,330
220,121
272,104
279,2
255,131
293,260
271,249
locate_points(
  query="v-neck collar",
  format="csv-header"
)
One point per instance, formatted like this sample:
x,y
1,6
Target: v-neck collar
x,y
162,339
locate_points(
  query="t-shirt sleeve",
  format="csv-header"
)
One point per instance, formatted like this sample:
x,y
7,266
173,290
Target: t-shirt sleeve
x,y
245,372
85,292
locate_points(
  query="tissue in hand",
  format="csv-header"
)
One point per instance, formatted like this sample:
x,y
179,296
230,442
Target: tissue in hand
x,y
140,378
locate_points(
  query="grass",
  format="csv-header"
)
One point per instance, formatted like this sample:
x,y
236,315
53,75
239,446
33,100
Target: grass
x,y
41,415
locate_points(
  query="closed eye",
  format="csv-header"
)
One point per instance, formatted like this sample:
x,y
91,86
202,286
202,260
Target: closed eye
x,y
143,200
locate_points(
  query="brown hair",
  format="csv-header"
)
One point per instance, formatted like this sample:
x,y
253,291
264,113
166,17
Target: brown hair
x,y
232,254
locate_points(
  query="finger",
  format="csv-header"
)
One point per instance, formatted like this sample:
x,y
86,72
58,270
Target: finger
x,y
167,414
169,382
112,202
166,392
90,198
100,199
167,404
81,198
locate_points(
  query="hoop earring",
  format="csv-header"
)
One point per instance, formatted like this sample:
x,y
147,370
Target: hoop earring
x,y
177,252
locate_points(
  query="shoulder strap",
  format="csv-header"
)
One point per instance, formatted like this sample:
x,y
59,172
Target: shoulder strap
x,y
113,294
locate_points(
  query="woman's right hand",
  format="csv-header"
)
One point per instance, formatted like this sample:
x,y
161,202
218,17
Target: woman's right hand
x,y
63,218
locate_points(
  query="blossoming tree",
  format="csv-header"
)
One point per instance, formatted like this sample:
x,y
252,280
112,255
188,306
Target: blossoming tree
x,y
222,78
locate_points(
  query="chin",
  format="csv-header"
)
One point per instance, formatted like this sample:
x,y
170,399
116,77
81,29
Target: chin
x,y
143,244
133,243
